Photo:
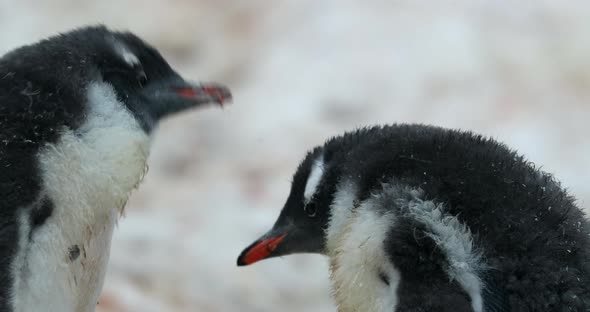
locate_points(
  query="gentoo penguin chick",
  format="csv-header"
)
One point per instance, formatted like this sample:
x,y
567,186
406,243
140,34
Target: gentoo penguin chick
x,y
76,113
419,218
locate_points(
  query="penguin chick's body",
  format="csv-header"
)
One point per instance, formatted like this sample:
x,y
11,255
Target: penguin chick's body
x,y
76,113
419,218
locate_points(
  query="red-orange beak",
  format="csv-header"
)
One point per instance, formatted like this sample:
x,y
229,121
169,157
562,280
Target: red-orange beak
x,y
161,98
259,250
209,92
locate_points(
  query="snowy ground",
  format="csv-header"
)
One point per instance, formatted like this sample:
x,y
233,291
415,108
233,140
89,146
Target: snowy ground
x,y
302,71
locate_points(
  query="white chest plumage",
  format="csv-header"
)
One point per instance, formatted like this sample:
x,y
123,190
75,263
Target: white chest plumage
x,y
88,175
357,257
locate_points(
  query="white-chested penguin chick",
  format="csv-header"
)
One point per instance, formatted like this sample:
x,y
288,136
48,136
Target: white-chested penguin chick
x,y
419,218
76,113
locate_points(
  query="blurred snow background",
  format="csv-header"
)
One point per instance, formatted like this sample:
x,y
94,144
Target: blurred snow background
x,y
302,71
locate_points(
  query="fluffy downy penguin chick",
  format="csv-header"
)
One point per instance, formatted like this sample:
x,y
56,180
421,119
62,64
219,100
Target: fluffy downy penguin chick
x,y
76,113
419,218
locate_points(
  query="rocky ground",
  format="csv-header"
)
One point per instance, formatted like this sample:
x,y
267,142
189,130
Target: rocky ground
x,y
302,71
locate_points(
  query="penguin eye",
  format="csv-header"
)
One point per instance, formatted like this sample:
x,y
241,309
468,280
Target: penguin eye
x,y
311,209
142,78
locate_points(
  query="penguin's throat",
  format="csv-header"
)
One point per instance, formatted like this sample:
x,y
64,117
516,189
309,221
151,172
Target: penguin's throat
x,y
359,265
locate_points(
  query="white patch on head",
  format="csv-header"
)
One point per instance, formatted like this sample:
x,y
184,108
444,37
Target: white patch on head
x,y
456,241
88,175
315,176
125,54
357,257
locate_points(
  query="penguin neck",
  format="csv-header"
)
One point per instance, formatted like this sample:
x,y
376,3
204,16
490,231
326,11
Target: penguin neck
x,y
375,245
363,278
